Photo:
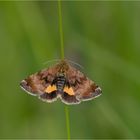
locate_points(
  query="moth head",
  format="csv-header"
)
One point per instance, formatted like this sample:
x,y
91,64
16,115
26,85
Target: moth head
x,y
61,74
63,66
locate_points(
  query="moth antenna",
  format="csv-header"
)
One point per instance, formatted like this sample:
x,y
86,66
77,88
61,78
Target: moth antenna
x,y
76,64
49,61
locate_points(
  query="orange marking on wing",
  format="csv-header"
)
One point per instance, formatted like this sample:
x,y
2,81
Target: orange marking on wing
x,y
68,90
50,88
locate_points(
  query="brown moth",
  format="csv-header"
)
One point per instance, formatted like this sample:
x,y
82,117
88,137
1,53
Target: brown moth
x,y
61,81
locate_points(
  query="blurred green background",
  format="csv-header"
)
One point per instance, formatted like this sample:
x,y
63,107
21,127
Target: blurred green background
x,y
104,37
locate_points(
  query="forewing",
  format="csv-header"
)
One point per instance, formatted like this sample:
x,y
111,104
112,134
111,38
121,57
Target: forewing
x,y
36,84
83,87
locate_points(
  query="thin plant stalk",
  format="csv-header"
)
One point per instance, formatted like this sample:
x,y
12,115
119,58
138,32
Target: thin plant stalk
x,y
62,57
61,29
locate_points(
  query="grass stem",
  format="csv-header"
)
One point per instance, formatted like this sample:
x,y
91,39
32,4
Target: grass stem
x,y
61,29
67,122
62,57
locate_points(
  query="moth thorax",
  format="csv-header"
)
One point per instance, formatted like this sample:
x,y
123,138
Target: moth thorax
x,y
60,82
63,67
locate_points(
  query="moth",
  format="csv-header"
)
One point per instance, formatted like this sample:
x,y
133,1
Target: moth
x,y
61,81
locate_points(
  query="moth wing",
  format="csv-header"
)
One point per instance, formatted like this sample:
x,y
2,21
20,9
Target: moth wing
x,y
84,88
69,99
39,83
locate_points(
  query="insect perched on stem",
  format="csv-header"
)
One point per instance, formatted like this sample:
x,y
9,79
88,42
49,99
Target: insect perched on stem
x,y
61,81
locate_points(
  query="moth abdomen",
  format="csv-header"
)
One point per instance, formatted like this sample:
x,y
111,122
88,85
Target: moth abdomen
x,y
60,83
